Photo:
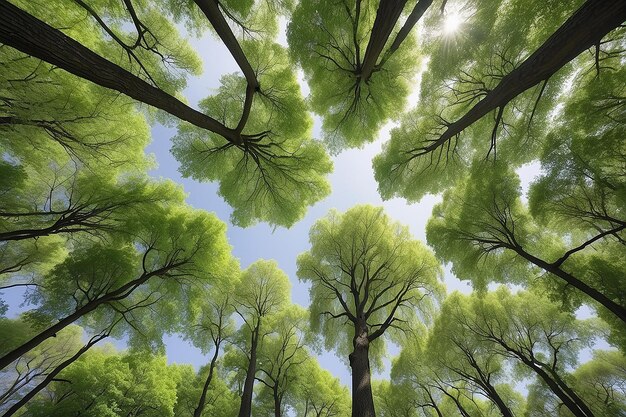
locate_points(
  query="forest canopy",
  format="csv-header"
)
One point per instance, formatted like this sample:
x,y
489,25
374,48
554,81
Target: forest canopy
x,y
103,260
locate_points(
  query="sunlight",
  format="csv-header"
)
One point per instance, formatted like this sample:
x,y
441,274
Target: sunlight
x,y
451,23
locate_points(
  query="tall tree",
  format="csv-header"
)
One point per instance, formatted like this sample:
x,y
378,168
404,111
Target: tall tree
x,y
484,228
257,161
175,245
498,63
368,277
262,293
358,78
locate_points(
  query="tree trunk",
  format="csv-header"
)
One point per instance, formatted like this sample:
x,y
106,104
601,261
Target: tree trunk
x,y
277,403
118,294
386,17
584,29
30,35
498,401
52,375
362,399
245,409
202,402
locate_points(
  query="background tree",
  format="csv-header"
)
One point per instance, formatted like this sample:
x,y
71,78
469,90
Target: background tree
x,y
484,228
281,354
262,294
368,276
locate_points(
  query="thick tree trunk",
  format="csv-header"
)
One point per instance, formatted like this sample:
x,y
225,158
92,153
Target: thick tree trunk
x,y
202,402
605,301
52,375
362,399
30,35
118,294
584,29
245,409
386,17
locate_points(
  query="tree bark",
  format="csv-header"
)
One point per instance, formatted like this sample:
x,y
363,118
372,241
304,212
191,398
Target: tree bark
x,y
120,293
31,36
584,29
362,398
386,17
202,402
245,409
416,14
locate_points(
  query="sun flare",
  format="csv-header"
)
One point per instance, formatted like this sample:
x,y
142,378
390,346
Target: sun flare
x,y
451,23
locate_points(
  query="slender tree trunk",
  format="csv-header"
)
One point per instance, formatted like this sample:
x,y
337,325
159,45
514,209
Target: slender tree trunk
x,y
569,402
52,375
277,402
605,301
118,294
245,409
362,398
583,30
30,35
386,17
202,402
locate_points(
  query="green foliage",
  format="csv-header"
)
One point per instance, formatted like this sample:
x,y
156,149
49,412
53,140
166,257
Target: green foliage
x,y
288,172
328,41
363,266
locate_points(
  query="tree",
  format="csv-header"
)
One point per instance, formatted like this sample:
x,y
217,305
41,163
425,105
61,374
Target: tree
x,y
253,164
263,292
459,355
281,354
104,382
516,74
213,327
483,227
176,245
318,393
38,363
355,92
368,276
534,331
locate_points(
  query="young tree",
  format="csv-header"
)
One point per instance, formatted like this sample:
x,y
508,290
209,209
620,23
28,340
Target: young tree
x,y
213,327
263,292
368,276
280,356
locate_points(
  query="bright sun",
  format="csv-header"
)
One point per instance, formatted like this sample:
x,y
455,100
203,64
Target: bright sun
x,y
451,23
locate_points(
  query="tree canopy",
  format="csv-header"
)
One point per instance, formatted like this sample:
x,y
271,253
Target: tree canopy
x,y
511,115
